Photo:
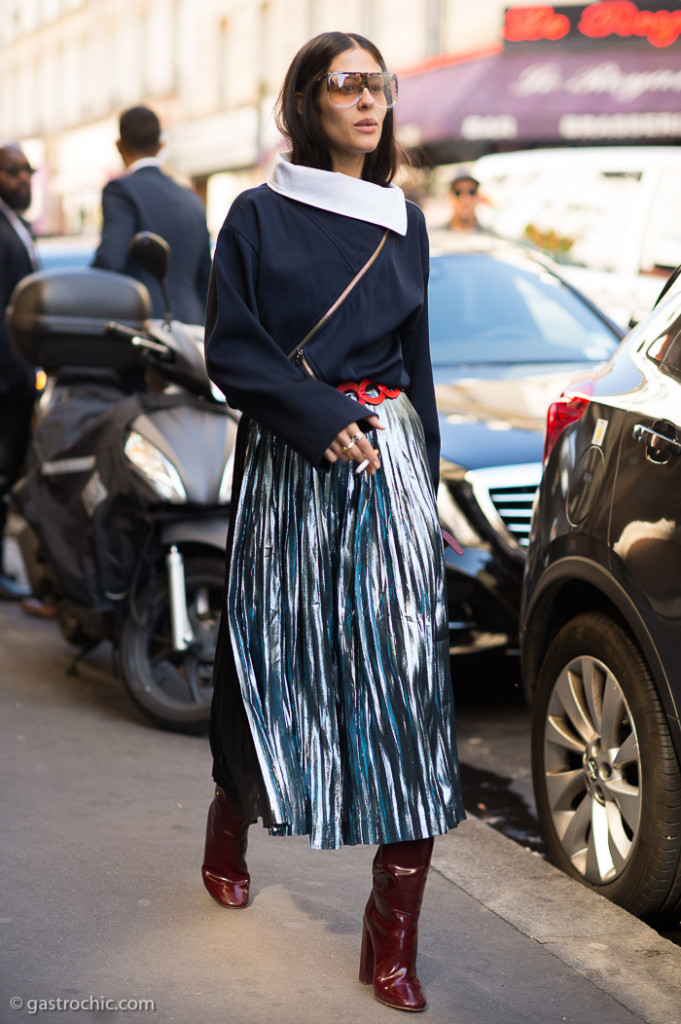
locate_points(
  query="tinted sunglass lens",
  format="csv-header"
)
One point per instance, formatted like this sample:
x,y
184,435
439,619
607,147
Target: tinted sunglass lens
x,y
344,89
383,88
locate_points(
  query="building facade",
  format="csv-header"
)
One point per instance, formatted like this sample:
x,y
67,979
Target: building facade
x,y
210,68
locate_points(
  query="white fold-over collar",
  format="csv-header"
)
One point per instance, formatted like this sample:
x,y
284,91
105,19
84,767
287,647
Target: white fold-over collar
x,y
340,193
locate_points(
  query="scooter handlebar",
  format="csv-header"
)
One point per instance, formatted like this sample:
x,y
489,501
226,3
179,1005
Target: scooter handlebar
x,y
139,341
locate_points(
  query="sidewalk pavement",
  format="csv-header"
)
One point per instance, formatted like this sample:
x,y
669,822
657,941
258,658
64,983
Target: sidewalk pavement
x,y
102,832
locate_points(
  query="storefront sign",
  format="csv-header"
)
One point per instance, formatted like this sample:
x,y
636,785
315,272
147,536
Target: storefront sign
x,y
608,77
568,94
613,21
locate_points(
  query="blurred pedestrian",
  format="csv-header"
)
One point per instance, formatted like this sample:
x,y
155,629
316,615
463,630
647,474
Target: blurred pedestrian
x,y
463,201
17,379
333,714
146,199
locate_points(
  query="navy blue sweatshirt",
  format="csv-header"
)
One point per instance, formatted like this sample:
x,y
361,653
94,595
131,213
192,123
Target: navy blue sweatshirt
x,y
279,265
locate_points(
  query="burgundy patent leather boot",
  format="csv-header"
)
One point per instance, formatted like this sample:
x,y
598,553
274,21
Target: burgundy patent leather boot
x,y
224,870
389,939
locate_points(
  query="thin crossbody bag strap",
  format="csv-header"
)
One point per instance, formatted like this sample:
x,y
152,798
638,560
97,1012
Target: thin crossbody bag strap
x,y
296,354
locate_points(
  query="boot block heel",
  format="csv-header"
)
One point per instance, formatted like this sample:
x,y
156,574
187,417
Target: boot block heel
x,y
366,959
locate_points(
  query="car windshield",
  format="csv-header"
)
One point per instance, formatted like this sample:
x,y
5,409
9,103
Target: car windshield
x,y
488,310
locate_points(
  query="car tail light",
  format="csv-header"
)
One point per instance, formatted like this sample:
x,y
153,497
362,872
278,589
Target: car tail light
x,y
566,410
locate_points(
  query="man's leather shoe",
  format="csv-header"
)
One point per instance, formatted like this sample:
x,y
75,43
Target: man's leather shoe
x,y
34,606
10,590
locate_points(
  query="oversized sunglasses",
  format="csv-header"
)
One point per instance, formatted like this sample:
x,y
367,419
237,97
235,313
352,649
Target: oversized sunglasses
x,y
346,87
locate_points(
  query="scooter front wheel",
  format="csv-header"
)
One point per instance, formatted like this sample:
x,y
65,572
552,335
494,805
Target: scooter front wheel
x,y
174,688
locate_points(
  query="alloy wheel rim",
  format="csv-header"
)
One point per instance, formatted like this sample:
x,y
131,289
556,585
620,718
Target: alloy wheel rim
x,y
592,770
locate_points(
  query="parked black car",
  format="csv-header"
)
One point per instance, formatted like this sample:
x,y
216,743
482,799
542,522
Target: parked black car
x,y
601,624
507,334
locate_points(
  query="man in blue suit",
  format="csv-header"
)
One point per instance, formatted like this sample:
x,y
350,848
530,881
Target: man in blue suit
x,y
146,199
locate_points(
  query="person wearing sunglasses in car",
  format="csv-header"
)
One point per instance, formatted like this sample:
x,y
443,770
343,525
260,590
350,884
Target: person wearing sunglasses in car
x,y
332,715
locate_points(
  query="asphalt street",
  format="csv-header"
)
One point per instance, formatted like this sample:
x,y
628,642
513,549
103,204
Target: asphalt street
x,y
103,912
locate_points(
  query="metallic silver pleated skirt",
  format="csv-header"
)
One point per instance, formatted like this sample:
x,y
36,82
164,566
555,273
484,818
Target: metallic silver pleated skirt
x,y
338,623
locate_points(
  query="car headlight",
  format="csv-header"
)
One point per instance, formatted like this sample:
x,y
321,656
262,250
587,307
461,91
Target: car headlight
x,y
451,516
454,520
155,468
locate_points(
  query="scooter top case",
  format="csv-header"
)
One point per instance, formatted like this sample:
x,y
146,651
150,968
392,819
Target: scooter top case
x,y
57,318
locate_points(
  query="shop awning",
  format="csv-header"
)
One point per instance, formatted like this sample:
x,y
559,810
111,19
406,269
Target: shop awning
x,y
608,96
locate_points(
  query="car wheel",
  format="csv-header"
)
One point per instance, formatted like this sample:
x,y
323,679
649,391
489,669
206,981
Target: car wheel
x,y
606,777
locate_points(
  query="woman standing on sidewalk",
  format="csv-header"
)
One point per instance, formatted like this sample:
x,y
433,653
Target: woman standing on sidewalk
x,y
333,714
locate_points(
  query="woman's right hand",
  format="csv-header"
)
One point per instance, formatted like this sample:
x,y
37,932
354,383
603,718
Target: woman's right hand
x,y
352,444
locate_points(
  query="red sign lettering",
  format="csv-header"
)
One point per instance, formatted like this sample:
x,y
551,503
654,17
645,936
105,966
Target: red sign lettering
x,y
533,23
623,18
598,20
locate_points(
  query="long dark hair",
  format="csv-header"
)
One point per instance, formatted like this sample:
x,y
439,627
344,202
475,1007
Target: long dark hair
x,y
308,142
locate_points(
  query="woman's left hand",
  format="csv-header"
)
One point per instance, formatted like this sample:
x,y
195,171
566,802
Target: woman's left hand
x,y
351,443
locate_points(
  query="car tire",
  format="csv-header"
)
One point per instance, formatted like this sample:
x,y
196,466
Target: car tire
x,y
606,777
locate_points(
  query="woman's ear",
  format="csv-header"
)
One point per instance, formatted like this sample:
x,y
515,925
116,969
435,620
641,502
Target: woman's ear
x,y
299,103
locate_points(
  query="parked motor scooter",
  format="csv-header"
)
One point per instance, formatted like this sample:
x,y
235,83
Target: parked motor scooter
x,y
126,503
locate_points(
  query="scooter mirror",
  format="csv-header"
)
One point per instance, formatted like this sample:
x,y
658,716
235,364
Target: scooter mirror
x,y
153,255
151,252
